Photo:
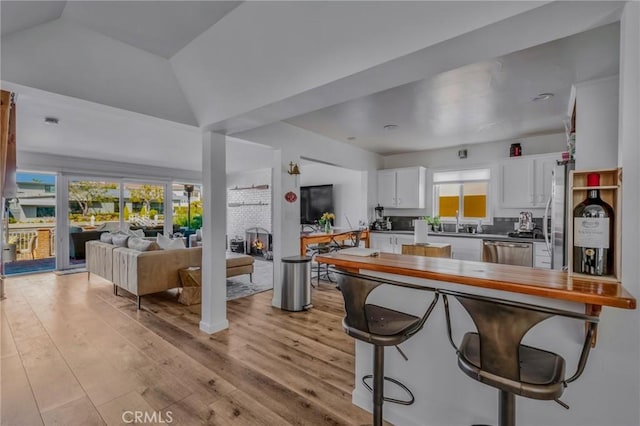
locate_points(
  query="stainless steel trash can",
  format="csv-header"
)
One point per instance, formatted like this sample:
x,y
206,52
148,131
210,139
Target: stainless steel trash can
x,y
296,283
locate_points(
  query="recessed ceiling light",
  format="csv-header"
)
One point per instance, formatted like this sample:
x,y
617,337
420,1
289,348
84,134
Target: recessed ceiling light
x,y
543,97
390,127
51,120
351,138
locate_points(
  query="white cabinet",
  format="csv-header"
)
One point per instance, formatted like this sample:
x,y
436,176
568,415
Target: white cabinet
x,y
387,188
541,256
382,242
402,188
461,248
526,181
389,243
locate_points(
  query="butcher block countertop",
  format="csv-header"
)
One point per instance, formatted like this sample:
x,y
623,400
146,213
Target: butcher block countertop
x,y
518,279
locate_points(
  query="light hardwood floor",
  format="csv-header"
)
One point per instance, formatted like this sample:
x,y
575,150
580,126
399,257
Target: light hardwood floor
x,y
73,353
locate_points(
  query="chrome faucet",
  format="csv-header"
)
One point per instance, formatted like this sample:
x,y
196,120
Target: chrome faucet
x,y
457,221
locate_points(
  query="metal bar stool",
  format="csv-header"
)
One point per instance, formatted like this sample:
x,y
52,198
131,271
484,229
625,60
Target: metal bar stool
x,y
494,355
379,326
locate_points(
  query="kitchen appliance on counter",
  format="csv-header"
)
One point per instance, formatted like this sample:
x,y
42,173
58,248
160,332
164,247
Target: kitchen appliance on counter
x,y
555,219
526,227
507,253
525,222
380,223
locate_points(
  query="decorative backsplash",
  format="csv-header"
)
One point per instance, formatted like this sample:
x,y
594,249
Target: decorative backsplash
x,y
501,225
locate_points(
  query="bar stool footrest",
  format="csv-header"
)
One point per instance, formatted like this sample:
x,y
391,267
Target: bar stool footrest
x,y
395,382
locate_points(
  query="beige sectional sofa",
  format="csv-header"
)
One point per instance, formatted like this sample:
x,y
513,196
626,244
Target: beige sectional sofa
x,y
140,272
146,272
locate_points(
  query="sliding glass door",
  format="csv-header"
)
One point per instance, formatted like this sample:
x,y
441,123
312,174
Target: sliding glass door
x,y
94,207
29,228
144,206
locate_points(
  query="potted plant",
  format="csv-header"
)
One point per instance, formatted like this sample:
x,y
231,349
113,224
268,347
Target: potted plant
x,y
434,222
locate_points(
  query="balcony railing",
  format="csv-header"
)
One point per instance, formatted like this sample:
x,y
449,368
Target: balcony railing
x,y
33,241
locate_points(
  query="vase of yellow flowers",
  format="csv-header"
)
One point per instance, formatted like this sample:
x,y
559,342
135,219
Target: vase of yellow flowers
x,y
325,221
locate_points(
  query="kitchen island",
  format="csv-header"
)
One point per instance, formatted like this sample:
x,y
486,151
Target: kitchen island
x,y
444,395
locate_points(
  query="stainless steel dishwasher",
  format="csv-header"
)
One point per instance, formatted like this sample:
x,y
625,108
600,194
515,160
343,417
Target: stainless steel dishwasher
x,y
507,253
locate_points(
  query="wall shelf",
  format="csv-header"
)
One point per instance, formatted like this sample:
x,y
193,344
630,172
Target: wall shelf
x,y
241,188
247,204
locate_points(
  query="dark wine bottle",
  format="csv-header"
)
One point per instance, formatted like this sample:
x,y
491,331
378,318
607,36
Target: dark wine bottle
x,y
593,232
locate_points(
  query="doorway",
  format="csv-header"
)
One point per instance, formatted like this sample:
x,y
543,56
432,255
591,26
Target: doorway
x,y
29,231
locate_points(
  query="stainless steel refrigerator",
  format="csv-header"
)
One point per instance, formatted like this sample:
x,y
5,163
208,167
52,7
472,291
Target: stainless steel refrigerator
x,y
556,215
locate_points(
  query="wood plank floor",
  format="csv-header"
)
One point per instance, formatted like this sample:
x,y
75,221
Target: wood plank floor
x,y
72,353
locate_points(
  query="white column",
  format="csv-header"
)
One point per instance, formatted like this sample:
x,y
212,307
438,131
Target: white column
x,y
285,216
214,227
62,221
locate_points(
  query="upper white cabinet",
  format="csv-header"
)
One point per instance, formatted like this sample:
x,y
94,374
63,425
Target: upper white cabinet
x,y
526,181
402,188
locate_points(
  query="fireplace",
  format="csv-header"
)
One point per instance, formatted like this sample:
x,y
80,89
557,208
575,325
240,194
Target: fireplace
x,y
258,242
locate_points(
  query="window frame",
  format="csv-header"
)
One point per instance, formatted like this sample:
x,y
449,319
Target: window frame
x,y
488,219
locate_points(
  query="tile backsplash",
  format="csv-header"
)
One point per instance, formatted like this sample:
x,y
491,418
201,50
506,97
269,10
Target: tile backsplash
x,y
501,225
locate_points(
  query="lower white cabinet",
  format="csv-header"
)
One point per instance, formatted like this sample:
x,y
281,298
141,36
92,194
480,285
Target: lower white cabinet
x,y
389,243
461,248
541,256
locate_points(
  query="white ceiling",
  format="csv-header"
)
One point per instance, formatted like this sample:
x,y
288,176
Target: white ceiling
x,y
20,15
481,102
89,130
249,61
159,27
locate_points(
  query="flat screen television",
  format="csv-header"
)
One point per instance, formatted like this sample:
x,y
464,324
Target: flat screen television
x,y
315,200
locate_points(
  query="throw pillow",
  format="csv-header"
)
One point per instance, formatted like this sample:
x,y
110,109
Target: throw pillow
x,y
140,244
119,240
167,243
106,237
136,233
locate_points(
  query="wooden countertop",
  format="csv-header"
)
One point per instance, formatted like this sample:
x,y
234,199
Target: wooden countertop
x,y
517,279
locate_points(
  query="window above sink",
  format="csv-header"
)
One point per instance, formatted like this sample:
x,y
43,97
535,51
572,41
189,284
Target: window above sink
x,y
462,192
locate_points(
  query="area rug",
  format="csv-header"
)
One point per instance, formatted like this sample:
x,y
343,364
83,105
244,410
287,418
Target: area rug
x,y
240,286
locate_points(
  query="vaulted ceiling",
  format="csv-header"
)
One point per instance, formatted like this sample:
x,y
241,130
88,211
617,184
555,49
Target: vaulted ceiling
x,y
235,66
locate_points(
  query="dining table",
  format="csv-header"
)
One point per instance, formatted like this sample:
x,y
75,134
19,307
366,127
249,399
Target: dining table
x,y
337,236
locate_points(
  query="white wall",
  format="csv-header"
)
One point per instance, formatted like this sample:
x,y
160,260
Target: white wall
x,y
597,124
629,160
347,184
478,155
40,162
243,217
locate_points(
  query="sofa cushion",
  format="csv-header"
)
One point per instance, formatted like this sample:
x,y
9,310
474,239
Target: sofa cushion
x,y
235,260
142,244
167,243
106,237
119,240
136,233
